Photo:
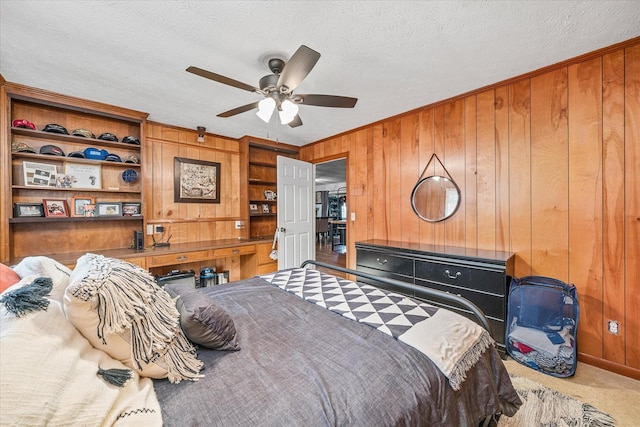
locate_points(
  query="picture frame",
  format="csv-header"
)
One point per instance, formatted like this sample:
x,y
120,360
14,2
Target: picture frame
x,y
90,210
109,209
78,205
28,210
253,208
84,175
265,208
39,174
131,209
196,181
55,208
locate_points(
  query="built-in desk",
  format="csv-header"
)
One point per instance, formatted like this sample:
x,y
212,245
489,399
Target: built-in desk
x,y
481,276
178,255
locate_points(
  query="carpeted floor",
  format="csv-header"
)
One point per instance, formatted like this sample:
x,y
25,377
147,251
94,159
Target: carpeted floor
x,y
611,393
543,406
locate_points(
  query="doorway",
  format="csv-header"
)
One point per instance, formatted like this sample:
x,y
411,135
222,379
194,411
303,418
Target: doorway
x,y
331,212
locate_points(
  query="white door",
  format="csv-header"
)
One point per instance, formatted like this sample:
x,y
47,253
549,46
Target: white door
x,y
296,215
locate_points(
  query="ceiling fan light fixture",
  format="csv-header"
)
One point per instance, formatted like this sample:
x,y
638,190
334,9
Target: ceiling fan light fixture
x,y
265,109
288,112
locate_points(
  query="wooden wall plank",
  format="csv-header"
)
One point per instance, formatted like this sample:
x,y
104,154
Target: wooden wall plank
x,y
471,174
394,180
613,202
409,174
426,135
378,207
455,164
632,204
502,168
585,198
438,134
486,165
549,175
520,175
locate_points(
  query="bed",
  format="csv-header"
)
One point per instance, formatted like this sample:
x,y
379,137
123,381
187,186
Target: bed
x,y
297,347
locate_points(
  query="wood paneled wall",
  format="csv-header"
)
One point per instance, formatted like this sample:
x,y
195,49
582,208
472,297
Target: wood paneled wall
x,y
549,168
192,222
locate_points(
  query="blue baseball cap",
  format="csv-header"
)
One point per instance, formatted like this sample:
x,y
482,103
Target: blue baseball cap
x,y
95,154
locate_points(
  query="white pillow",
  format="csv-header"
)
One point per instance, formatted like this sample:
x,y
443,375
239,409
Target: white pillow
x,y
48,376
43,266
121,310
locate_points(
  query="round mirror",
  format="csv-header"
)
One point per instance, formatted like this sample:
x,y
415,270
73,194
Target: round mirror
x,y
435,198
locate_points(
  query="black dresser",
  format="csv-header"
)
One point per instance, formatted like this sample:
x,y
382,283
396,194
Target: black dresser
x,y
480,276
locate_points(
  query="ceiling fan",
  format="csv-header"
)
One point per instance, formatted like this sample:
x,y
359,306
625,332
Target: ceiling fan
x,y
277,89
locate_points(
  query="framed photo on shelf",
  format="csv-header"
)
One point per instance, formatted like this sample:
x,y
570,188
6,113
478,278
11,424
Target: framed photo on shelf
x,y
55,207
23,210
83,175
131,209
39,174
265,208
89,210
78,205
109,209
253,208
196,181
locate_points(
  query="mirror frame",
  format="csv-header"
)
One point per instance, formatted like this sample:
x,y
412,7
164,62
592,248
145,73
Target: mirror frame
x,y
422,181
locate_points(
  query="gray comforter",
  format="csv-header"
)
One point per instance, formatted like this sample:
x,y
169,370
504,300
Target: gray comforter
x,y
302,365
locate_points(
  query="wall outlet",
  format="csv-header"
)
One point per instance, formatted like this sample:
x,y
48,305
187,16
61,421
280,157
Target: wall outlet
x,y
239,225
158,229
614,327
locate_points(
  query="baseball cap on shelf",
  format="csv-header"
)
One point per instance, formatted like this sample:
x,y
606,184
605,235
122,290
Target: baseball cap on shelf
x,y
111,157
22,123
55,128
108,137
21,147
79,154
130,139
129,175
52,150
95,154
131,159
83,132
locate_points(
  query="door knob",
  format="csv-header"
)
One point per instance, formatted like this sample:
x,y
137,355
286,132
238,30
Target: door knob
x,y
282,229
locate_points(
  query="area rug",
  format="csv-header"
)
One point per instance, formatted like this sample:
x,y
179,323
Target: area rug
x,y
544,407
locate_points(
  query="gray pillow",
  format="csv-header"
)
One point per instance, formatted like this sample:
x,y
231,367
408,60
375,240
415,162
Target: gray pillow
x,y
202,320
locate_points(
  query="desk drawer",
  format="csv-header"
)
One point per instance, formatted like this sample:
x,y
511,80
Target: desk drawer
x,y
234,251
384,262
466,277
179,258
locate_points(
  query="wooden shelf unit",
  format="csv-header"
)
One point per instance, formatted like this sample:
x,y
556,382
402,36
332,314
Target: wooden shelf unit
x,y
262,175
26,236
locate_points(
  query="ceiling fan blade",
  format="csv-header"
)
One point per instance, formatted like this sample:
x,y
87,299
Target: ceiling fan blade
x,y
327,100
222,79
297,68
239,110
295,122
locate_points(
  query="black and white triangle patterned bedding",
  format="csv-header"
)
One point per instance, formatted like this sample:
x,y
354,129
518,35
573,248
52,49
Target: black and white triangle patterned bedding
x,y
390,313
452,342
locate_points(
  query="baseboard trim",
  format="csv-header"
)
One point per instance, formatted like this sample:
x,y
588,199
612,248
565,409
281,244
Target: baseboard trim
x,y
610,366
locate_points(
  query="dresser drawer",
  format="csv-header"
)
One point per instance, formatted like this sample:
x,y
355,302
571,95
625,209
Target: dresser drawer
x,y
237,250
491,305
384,262
467,277
179,258
387,274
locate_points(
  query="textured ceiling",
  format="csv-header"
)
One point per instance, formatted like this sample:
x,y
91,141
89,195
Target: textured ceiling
x,y
393,56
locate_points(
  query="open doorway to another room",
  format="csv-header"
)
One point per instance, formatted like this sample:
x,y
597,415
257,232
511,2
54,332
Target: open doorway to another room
x,y
331,212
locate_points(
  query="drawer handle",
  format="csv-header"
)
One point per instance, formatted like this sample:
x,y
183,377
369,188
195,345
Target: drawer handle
x,y
383,262
181,258
448,273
